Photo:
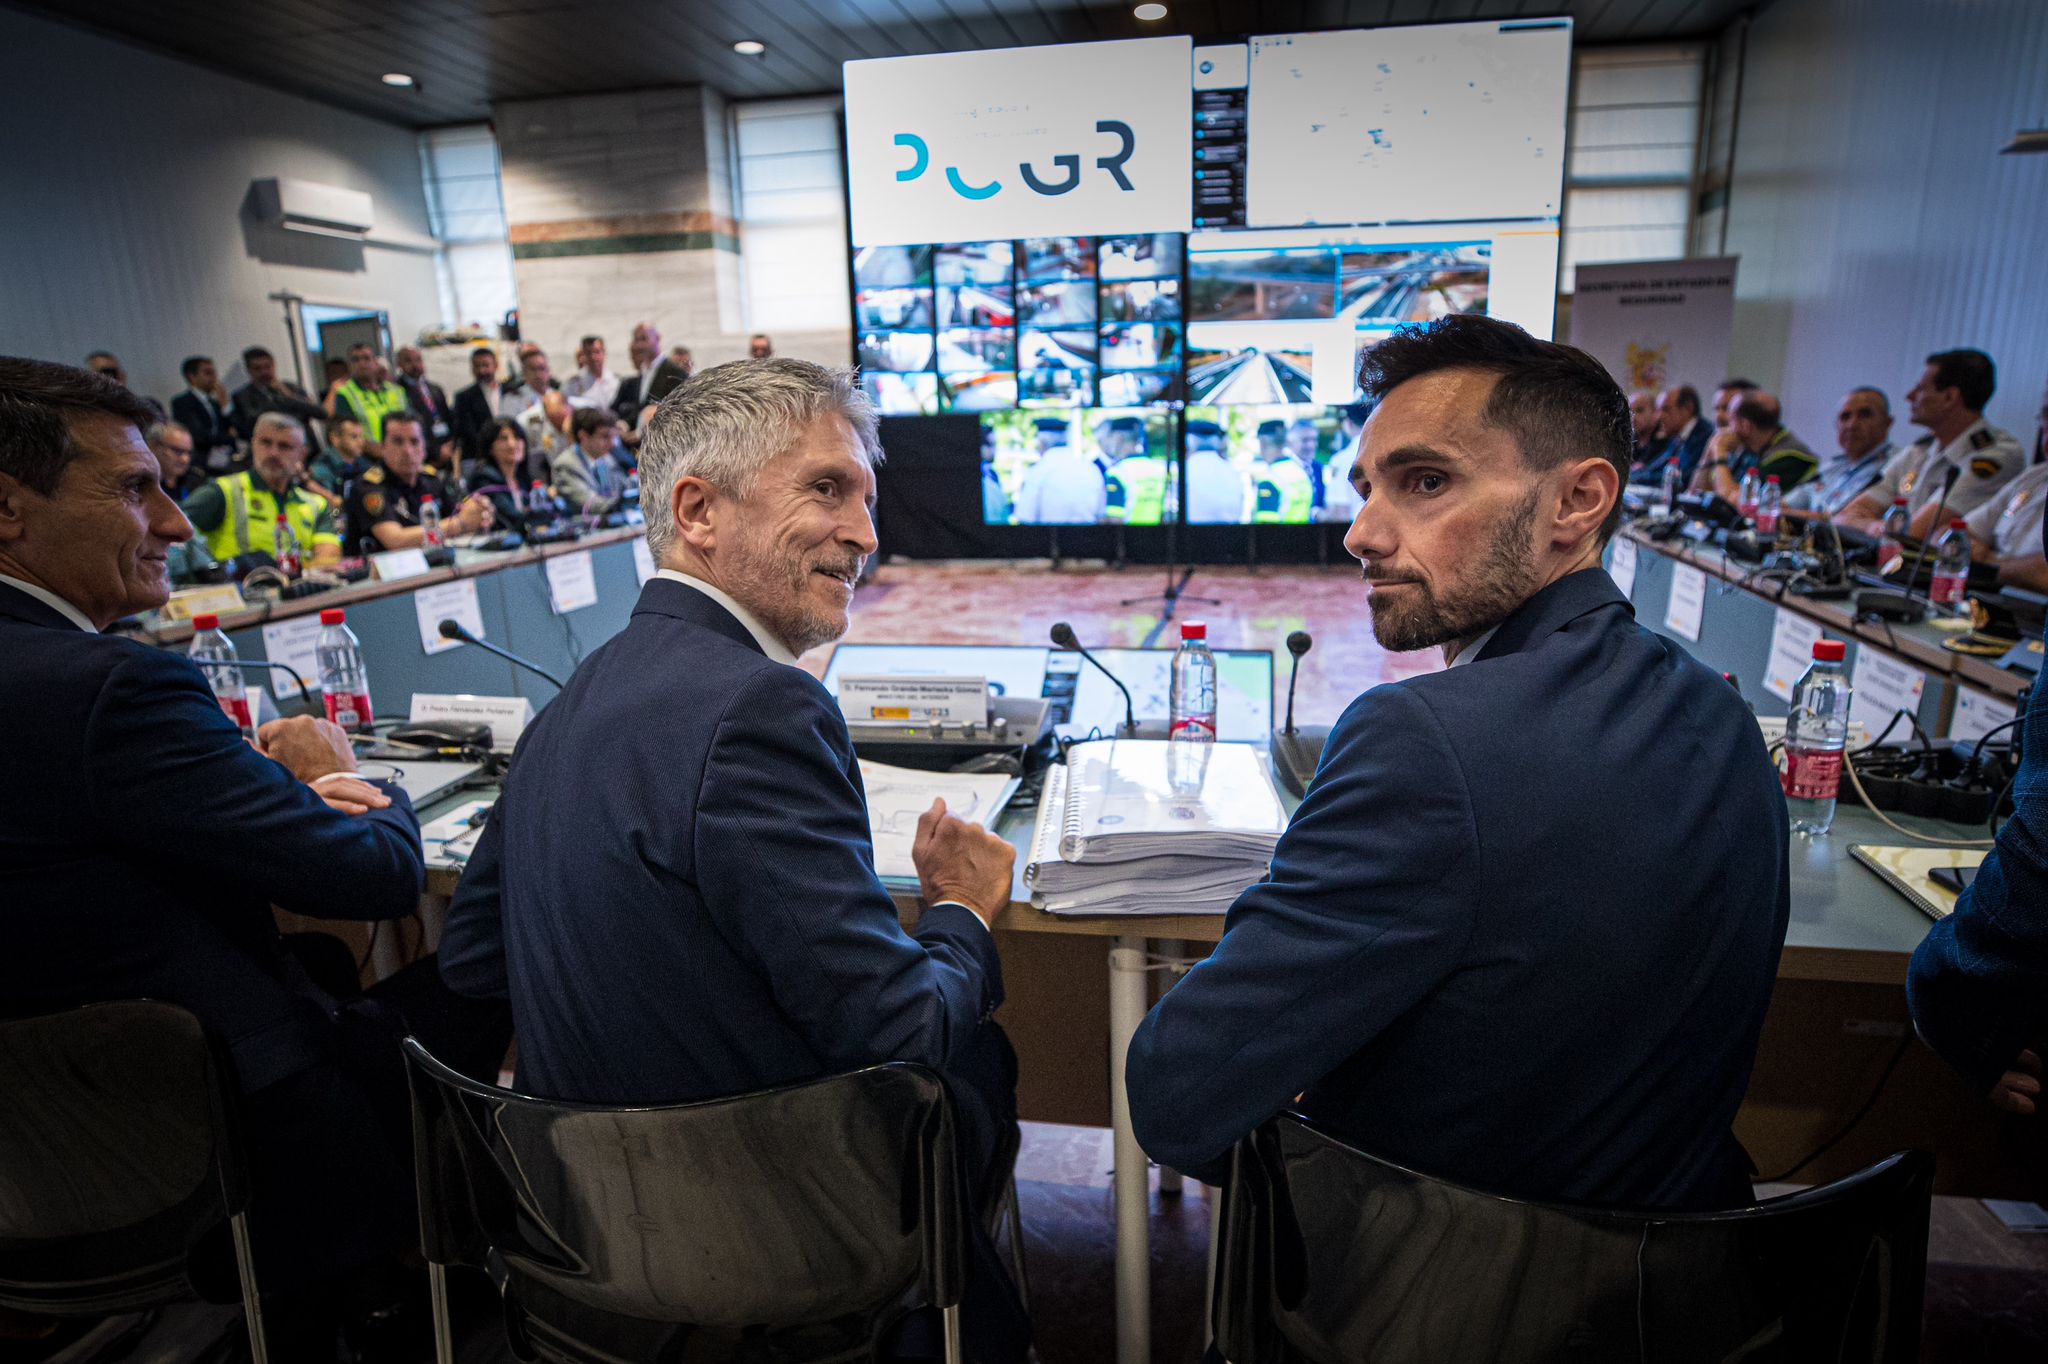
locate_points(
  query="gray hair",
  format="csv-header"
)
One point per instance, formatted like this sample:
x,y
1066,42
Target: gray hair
x,y
726,423
158,430
284,420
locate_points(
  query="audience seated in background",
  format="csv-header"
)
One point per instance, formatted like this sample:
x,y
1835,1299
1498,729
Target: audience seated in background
x,y
1642,416
172,446
1459,960
1756,441
108,366
586,479
238,513
382,507
367,395
346,456
265,392
2007,529
203,409
759,347
430,400
1726,396
707,920
547,428
1684,436
1862,438
1949,402
503,473
482,403
104,902
591,384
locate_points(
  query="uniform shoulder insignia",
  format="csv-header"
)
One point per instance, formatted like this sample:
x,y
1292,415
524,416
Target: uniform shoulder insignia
x,y
1982,439
1925,442
373,475
373,503
1985,467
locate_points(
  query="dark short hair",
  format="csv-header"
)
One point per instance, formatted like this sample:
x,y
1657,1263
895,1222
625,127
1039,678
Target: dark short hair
x,y
361,345
1739,385
38,403
191,363
1273,429
413,417
490,435
344,418
1689,398
1558,402
256,353
589,419
1970,372
1357,413
1758,411
590,338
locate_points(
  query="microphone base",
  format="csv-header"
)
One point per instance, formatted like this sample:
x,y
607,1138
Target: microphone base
x,y
1901,607
1296,755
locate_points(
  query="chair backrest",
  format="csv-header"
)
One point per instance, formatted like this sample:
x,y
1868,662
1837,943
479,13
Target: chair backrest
x,y
813,1214
117,1154
1329,1254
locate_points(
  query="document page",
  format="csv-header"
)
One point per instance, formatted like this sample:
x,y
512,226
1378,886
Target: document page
x,y
898,796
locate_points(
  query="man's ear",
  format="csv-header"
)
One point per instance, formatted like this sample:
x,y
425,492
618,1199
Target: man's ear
x,y
691,504
1591,487
14,497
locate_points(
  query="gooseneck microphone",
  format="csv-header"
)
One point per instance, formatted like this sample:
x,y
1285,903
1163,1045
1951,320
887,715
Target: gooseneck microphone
x,y
1298,644
453,630
261,665
1934,528
1903,605
1063,635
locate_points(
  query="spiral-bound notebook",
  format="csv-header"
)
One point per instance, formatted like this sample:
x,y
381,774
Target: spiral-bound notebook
x,y
1114,838
1906,870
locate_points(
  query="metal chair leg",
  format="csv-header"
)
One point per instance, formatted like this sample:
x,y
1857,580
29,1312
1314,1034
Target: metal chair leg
x,y
444,1331
952,1320
252,1301
1017,1274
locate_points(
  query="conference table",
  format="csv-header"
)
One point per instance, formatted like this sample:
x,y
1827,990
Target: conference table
x,y
1078,987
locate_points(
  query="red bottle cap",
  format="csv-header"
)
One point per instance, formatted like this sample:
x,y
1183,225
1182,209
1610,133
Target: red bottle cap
x,y
206,622
1193,629
1830,650
1772,479
1959,524
333,615
1898,502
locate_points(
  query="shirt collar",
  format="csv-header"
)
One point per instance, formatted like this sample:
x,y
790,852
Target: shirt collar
x,y
53,601
1470,653
770,645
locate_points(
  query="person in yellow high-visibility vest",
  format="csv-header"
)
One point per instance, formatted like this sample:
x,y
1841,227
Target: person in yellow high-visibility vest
x,y
1281,492
1136,479
238,514
365,397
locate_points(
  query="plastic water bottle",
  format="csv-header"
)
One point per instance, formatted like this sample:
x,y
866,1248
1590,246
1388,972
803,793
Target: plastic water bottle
x,y
344,677
1816,735
1950,589
1769,506
287,549
540,504
1671,481
215,654
1191,732
1747,496
1891,545
430,523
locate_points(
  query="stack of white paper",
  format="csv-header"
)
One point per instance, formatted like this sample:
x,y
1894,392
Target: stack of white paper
x,y
1114,838
898,796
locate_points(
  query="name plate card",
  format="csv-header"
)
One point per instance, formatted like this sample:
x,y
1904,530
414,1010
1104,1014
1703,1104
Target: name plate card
x,y
955,700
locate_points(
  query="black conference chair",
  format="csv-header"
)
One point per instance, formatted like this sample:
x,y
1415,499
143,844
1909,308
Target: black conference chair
x,y
119,1157
1334,1256
792,1224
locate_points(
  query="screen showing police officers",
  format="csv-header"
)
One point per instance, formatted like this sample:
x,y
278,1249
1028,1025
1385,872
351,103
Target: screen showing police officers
x,y
1079,467
1271,463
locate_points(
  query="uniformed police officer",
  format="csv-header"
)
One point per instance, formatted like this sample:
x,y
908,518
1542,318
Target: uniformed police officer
x,y
1303,440
1062,488
1280,490
1949,401
1216,487
383,506
1137,481
995,499
237,514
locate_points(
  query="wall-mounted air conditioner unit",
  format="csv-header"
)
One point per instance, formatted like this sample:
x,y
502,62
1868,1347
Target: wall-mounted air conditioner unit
x,y
324,210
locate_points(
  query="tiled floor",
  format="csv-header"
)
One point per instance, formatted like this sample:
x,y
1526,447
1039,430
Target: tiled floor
x,y
1017,603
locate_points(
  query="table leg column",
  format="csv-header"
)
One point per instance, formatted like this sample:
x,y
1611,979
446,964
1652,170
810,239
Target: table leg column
x,y
1132,1180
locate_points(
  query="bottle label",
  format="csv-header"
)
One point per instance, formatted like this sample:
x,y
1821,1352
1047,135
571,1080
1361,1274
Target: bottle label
x,y
1766,523
1193,727
1948,588
1748,509
1812,774
236,708
349,710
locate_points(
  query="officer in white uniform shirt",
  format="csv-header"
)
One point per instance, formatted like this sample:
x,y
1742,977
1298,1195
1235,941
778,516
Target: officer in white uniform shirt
x,y
1216,487
1949,402
1064,488
2009,525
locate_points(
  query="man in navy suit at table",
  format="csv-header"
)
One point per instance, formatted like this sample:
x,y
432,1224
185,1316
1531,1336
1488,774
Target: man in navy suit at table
x,y
1472,956
677,888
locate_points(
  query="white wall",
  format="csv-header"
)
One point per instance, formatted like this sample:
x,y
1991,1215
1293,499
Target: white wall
x,y
1875,220
124,224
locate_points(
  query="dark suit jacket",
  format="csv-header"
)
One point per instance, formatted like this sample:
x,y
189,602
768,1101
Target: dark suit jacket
x,y
143,844
210,431
1978,986
251,402
1472,958
705,919
1684,453
472,416
416,393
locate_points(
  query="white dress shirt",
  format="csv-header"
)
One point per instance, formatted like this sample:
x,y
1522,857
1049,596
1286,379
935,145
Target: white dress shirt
x,y
1470,653
54,602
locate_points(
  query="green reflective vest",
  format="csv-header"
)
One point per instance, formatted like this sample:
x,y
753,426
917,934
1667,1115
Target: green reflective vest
x,y
249,519
371,406
1285,495
1137,491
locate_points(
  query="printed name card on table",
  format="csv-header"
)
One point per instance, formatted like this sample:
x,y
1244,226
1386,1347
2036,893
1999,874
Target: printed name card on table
x,y
1976,715
1882,688
296,644
572,582
643,561
1792,639
508,716
1688,605
956,700
396,564
1621,564
454,601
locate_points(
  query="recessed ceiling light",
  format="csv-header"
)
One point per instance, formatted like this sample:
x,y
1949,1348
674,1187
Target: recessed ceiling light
x,y
1149,13
398,78
750,47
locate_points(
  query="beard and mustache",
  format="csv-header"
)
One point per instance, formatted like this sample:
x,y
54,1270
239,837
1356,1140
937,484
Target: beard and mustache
x,y
1504,578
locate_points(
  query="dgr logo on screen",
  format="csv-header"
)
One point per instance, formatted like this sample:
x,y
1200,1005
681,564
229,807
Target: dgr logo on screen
x,y
1113,164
